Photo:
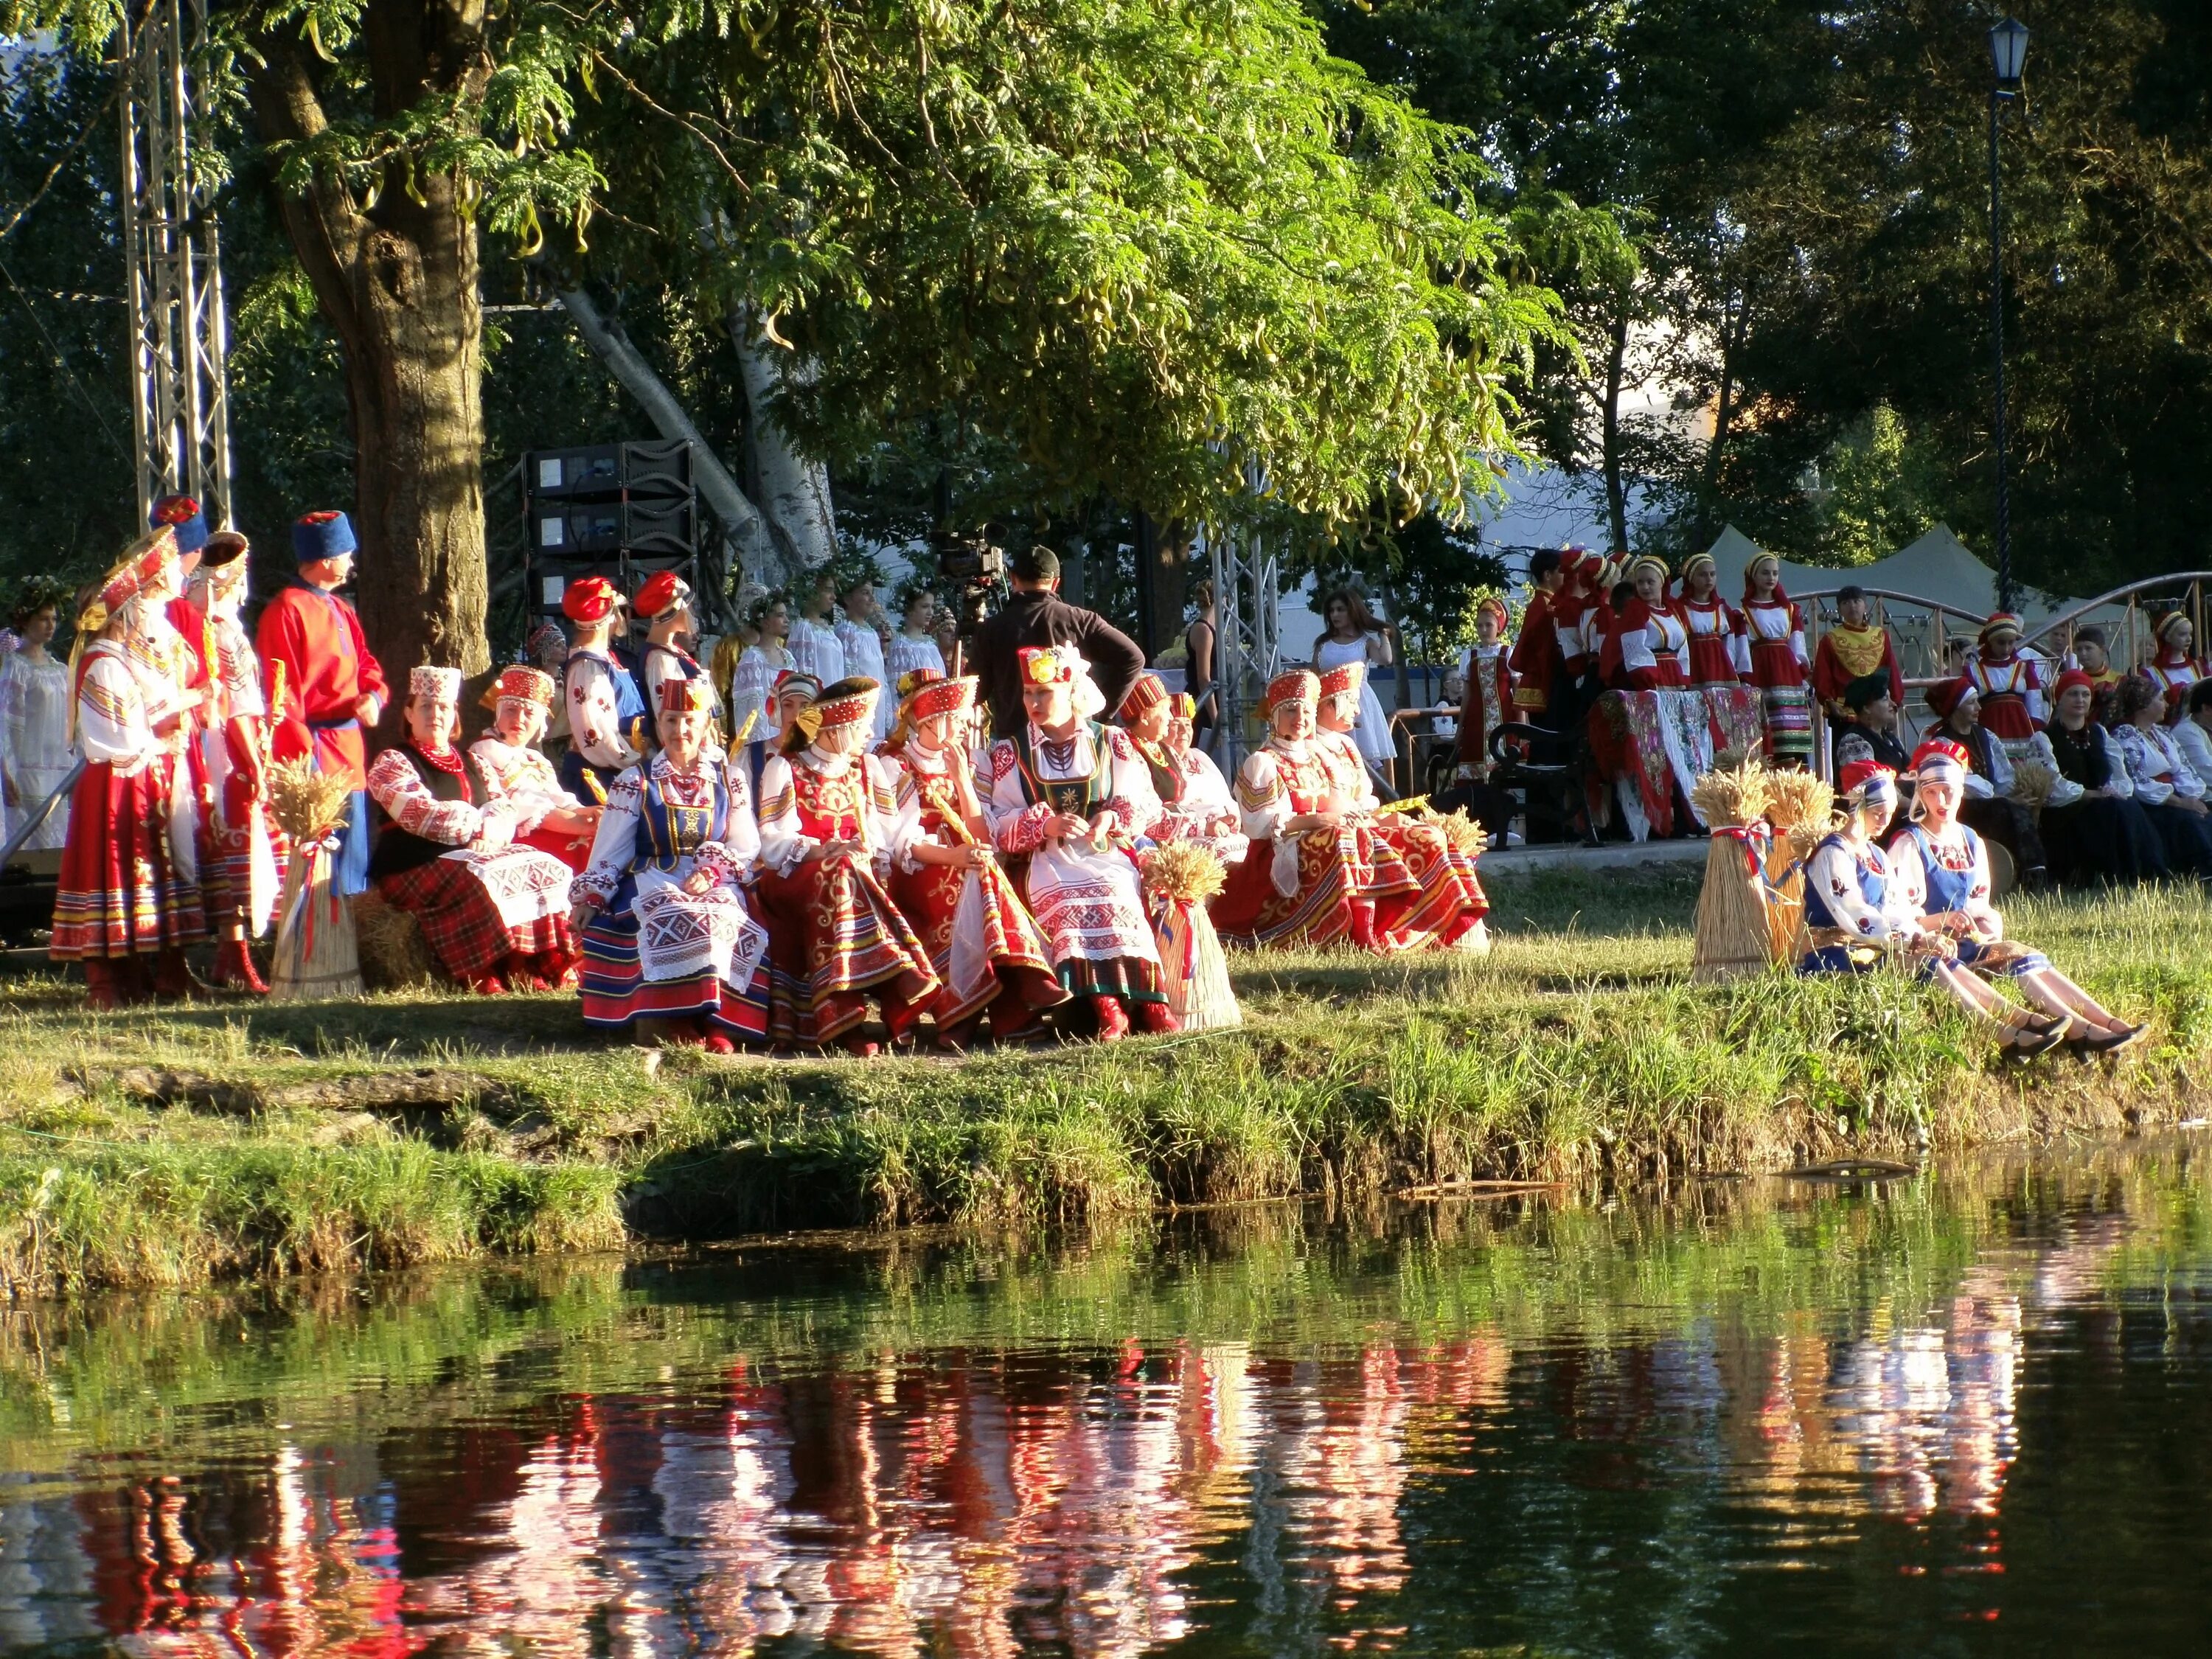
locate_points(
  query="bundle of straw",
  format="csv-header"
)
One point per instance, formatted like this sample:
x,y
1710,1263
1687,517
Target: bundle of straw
x,y
1734,759
394,955
1733,932
2032,781
1461,834
1182,871
1799,807
316,953
1180,878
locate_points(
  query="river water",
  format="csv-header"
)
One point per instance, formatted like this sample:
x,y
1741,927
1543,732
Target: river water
x,y
1968,1412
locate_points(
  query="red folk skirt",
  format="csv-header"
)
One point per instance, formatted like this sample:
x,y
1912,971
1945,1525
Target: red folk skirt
x,y
834,938
462,927
120,893
1450,902
1336,868
929,899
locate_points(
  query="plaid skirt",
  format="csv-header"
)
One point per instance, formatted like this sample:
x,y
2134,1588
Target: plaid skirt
x,y
462,925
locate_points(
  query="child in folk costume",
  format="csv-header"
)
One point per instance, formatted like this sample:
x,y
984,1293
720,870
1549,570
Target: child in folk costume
x,y
836,937
1857,911
1942,871
1853,648
124,896
1775,661
2010,688
240,858
2174,667
670,947
1718,656
1071,797
1195,804
493,913
1486,692
520,779
1451,905
664,604
792,692
982,941
608,722
310,647
1317,870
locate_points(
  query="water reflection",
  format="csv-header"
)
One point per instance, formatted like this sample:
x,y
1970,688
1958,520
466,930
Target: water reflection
x,y
1598,1432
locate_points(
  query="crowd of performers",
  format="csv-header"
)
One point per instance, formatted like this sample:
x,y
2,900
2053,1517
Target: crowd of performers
x,y
2122,761
837,854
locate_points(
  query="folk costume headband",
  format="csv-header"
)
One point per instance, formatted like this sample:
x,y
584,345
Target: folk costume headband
x,y
2004,622
1648,561
139,569
1062,665
797,682
1867,784
441,684
1183,707
1345,680
1148,692
1940,759
1750,578
1491,603
1299,685
849,703
520,683
2162,630
934,695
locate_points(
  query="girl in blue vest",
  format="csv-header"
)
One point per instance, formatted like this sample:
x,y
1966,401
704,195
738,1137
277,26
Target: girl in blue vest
x,y
1942,872
1857,912
671,945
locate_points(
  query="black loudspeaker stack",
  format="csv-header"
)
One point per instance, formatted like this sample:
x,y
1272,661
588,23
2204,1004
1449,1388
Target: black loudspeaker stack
x,y
621,510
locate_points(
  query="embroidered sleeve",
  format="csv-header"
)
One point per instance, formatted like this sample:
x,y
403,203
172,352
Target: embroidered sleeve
x,y
784,844
749,694
2143,770
1135,801
1907,893
614,846
1262,804
1838,874
241,672
2064,791
2116,764
1017,824
110,715
592,711
1988,924
2186,783
394,785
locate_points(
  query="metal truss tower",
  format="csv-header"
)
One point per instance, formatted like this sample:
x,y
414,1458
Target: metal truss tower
x,y
1245,595
180,407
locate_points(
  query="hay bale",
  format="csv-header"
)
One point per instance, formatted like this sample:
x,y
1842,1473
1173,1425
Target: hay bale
x,y
394,955
1735,928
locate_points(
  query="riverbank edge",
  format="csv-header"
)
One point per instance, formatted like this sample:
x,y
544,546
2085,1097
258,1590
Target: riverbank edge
x,y
138,1162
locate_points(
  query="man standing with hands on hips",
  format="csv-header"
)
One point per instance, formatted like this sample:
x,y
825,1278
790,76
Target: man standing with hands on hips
x,y
1037,618
326,691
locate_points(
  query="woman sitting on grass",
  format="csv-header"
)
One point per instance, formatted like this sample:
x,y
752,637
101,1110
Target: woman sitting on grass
x,y
671,948
1941,870
1854,912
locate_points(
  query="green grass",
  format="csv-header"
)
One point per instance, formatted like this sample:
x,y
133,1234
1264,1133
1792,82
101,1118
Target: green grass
x,y
178,1146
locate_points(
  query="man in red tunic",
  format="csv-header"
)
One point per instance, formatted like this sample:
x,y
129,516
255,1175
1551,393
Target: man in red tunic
x,y
1538,664
325,688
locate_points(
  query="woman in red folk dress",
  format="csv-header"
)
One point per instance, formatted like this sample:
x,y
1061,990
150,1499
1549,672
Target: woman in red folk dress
x,y
836,937
1450,907
945,879
494,914
2010,688
1775,663
2174,667
1317,872
520,778
124,896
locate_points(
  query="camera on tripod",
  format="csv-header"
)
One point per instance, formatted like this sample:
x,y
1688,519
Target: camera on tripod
x,y
977,567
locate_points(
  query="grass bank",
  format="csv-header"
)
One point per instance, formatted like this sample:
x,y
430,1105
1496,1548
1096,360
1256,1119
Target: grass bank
x,y
174,1147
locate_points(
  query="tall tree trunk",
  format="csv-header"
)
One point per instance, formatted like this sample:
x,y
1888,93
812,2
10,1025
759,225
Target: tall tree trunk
x,y
794,490
396,280
742,522
1616,488
1168,548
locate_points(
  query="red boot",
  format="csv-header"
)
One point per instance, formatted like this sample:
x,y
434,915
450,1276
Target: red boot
x,y
1157,1019
519,971
485,985
100,990
235,969
173,981
1113,1019
711,1039
1363,926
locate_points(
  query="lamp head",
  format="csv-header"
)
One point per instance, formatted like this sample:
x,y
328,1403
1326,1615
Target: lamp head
x,y
2008,52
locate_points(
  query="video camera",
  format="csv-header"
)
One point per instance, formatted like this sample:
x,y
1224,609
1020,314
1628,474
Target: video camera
x,y
977,567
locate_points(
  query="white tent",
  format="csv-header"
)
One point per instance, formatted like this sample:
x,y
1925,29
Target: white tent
x,y
1937,568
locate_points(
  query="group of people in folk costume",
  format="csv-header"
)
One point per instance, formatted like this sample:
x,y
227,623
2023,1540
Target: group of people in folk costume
x,y
1927,896
769,890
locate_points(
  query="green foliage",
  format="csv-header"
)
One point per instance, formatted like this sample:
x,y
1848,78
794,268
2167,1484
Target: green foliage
x,y
1880,489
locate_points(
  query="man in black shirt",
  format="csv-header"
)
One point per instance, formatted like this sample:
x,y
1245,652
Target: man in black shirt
x,y
1035,615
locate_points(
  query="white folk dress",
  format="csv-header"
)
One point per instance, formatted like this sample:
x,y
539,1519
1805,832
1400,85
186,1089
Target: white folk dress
x,y
35,756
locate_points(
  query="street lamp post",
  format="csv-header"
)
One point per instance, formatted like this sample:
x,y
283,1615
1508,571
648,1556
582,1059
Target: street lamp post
x,y
2007,51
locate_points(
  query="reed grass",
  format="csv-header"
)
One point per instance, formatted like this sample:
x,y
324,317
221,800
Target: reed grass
x,y
180,1146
